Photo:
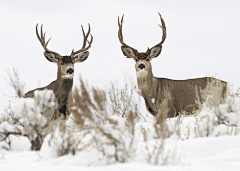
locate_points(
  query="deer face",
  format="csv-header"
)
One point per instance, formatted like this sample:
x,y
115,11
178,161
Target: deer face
x,y
66,63
66,67
143,64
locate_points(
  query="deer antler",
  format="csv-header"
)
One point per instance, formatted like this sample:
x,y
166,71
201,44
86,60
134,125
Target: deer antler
x,y
42,41
120,36
163,26
85,41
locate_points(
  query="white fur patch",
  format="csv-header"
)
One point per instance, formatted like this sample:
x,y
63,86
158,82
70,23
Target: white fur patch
x,y
68,76
141,73
153,100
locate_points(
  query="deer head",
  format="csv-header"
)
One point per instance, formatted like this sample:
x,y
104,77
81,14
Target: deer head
x,y
142,59
66,63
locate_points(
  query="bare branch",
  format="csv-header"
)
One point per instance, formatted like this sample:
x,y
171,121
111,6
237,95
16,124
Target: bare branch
x,y
15,82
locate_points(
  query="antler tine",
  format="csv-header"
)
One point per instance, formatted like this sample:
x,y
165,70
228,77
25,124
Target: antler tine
x,y
90,40
89,44
42,36
120,36
120,30
120,24
39,36
85,41
42,40
163,29
86,36
37,33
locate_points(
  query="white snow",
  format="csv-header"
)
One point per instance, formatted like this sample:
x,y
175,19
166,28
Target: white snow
x,y
194,143
220,153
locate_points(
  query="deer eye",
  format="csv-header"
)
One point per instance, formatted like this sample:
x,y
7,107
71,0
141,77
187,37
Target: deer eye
x,y
62,63
147,59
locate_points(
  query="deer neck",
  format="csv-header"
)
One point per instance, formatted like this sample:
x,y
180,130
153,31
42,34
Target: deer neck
x,y
64,84
147,84
146,81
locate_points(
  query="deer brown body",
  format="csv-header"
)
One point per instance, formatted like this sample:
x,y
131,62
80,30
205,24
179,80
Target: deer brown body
x,y
181,94
62,86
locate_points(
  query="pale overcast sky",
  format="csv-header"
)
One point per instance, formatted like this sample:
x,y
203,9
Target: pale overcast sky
x,y
203,39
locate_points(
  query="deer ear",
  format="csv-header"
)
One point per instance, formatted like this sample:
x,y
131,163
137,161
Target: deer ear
x,y
81,57
127,51
155,51
51,57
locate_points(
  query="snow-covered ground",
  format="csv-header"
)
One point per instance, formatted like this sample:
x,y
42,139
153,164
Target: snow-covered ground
x,y
222,153
196,142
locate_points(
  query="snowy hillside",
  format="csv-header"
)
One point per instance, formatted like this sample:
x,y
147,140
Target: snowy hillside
x,y
110,139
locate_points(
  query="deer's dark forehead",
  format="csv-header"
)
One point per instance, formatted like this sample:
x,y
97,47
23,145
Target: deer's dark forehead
x,y
142,56
67,59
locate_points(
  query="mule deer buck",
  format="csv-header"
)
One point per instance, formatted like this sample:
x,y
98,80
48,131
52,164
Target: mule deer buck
x,y
62,86
181,94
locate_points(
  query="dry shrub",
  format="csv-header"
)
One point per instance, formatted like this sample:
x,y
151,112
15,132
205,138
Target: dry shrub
x,y
15,82
237,92
68,142
108,120
121,102
7,115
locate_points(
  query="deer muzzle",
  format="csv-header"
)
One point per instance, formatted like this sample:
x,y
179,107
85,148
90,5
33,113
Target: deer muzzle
x,y
70,71
141,66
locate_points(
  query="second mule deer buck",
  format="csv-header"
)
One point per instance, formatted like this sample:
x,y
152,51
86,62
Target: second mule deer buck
x,y
181,94
62,87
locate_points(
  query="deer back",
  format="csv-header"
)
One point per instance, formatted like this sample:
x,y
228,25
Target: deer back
x,y
182,94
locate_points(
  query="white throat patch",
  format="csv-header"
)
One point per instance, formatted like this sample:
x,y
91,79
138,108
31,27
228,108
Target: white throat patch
x,y
68,76
141,73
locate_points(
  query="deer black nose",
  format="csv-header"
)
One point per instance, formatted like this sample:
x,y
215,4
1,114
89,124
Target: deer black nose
x,y
141,66
70,71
